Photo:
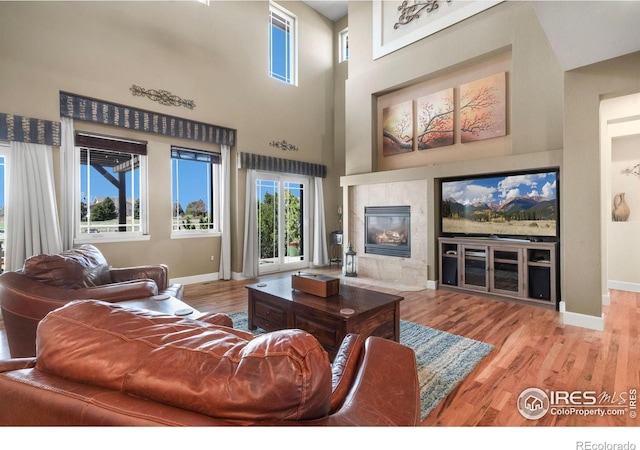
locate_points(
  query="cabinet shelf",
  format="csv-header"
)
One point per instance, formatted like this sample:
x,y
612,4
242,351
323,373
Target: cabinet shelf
x,y
525,271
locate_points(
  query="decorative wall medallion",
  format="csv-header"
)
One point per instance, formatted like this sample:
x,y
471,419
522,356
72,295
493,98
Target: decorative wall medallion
x,y
284,145
409,12
635,170
395,24
163,97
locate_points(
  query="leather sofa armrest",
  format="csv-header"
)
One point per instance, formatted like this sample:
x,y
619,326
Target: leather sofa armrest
x,y
158,273
8,365
216,319
116,292
385,390
343,369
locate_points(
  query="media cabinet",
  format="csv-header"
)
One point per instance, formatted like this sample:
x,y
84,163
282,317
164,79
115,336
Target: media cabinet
x,y
512,268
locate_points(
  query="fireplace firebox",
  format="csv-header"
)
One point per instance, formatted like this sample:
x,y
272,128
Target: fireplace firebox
x,y
388,230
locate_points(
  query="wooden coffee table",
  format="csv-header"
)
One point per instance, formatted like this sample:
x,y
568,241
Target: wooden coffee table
x,y
273,305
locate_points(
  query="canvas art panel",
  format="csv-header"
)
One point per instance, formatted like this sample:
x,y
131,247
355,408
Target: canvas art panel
x,y
435,120
483,108
397,128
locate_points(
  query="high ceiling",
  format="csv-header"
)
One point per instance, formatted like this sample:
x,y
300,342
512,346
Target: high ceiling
x,y
581,32
334,10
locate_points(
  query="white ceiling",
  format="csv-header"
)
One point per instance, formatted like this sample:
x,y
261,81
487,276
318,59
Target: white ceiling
x,y
333,10
581,32
586,32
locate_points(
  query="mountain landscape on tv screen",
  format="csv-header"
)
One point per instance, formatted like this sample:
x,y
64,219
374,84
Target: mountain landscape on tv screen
x,y
501,206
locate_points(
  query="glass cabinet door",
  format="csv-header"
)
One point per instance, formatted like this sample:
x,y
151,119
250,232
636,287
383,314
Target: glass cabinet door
x,y
475,267
506,270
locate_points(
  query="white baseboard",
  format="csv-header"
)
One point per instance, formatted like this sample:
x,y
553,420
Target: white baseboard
x,y
203,278
580,320
624,286
432,284
237,276
606,299
195,278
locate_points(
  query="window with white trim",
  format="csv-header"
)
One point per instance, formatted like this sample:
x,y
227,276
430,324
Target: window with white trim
x,y
195,187
343,45
282,45
111,194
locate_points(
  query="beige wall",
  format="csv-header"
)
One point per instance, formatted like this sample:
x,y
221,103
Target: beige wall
x,y
583,209
99,49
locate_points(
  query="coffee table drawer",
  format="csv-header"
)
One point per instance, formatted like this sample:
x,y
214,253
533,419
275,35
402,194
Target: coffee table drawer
x,y
324,332
269,316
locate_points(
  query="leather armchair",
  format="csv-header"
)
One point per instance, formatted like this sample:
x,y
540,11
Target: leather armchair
x,y
47,282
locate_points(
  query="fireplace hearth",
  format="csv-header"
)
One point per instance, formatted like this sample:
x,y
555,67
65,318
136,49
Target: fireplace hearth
x,y
388,230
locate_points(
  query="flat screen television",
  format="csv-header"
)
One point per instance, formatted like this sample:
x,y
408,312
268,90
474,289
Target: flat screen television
x,y
521,205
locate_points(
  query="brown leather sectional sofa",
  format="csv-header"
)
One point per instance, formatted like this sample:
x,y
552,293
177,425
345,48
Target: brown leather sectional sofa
x,y
101,363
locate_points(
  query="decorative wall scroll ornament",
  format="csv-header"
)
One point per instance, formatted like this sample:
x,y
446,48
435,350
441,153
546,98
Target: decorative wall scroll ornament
x,y
635,170
284,145
161,96
410,12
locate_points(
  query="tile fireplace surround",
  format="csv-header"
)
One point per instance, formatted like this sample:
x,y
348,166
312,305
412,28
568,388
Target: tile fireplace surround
x,y
411,271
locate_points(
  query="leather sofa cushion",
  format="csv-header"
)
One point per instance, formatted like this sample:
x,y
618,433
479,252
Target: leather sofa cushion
x,y
77,268
210,369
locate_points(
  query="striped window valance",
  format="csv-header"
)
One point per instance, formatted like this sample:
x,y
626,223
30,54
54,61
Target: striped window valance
x,y
27,129
272,164
99,111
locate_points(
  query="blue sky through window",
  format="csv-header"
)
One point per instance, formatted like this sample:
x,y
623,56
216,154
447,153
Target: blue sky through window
x,y
280,46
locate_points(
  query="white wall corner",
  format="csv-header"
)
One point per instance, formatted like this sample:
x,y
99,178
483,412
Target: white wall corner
x,y
580,320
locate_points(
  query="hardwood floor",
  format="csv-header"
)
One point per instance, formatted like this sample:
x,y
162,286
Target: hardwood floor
x,y
533,349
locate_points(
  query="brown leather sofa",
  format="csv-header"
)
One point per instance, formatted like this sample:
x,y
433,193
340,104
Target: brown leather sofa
x,y
100,364
47,282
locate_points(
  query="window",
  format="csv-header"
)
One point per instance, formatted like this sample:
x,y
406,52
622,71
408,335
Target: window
x,y
344,45
195,180
112,188
282,45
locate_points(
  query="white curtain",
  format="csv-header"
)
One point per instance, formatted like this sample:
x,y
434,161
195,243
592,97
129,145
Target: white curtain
x,y
225,247
32,217
320,252
250,257
68,182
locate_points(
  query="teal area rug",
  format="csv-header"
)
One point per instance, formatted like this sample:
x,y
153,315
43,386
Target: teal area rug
x,y
444,359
